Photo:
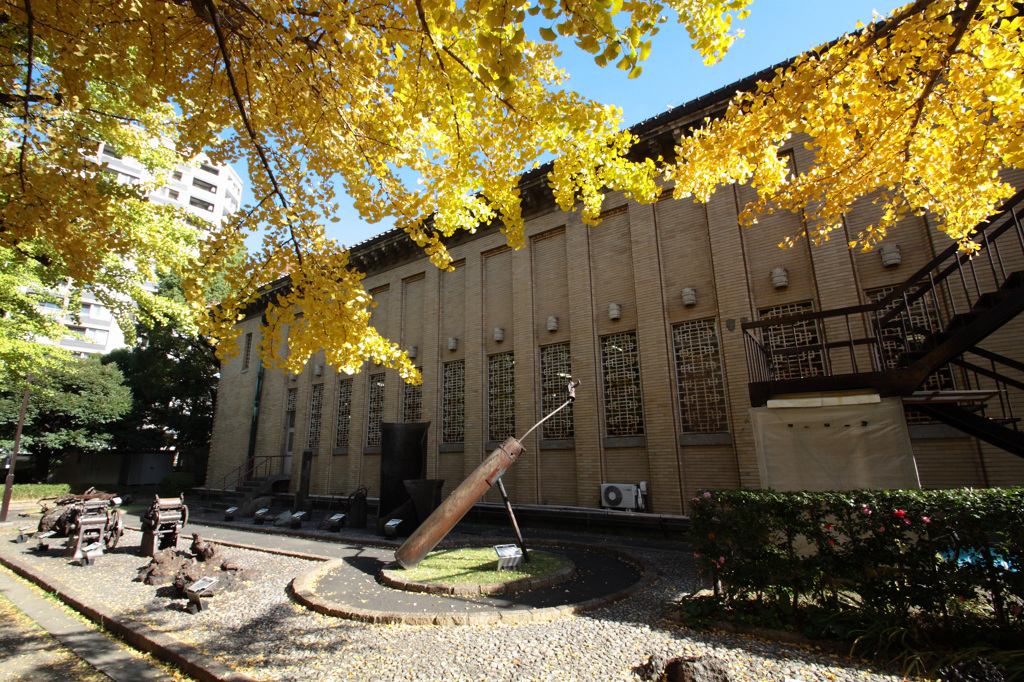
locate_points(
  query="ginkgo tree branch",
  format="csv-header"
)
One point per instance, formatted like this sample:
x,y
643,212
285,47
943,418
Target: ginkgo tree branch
x,y
30,27
933,77
222,44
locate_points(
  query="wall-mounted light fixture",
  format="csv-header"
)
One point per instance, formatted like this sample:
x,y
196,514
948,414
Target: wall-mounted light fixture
x,y
614,311
318,370
453,343
890,252
499,334
552,324
780,278
413,352
689,295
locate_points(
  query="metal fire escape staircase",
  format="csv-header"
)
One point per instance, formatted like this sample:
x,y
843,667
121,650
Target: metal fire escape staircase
x,y
939,340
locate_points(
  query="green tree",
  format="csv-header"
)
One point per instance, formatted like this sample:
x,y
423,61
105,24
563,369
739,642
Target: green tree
x,y
172,377
70,405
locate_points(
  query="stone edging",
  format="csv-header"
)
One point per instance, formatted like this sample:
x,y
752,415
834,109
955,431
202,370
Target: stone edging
x,y
138,635
303,584
394,579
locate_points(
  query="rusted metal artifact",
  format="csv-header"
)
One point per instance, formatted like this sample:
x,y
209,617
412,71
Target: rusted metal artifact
x,y
95,522
451,511
162,524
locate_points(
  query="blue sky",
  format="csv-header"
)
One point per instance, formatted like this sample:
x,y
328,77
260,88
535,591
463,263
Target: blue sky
x,y
674,73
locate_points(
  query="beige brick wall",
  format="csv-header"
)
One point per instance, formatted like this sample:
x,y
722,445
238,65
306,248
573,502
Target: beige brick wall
x,y
640,257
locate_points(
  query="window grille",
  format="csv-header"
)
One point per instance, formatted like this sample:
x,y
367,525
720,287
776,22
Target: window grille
x,y
453,402
375,414
290,404
895,341
341,429
412,402
699,377
248,350
799,364
623,401
501,396
316,408
555,375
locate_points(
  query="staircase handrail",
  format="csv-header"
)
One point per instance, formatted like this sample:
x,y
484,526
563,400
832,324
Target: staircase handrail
x,y
915,280
253,464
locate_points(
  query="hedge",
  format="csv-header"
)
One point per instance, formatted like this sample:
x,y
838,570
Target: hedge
x,y
38,491
898,555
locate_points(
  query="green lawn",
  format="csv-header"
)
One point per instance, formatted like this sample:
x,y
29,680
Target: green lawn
x,y
478,565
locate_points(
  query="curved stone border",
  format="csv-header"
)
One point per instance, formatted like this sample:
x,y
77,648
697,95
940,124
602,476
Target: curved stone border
x,y
394,579
303,590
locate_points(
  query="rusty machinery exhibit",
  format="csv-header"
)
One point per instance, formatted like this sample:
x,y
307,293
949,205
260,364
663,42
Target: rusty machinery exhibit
x,y
469,492
162,524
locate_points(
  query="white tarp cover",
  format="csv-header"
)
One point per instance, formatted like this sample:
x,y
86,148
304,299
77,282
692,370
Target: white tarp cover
x,y
841,447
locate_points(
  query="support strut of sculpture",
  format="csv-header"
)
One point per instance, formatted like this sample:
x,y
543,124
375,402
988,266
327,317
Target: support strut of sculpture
x,y
462,499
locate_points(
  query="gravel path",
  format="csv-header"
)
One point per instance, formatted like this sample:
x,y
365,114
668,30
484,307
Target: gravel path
x,y
257,629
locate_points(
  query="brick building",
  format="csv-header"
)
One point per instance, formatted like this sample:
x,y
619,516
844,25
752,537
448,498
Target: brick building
x,y
648,310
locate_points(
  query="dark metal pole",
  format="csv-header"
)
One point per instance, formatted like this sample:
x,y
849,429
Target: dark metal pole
x,y
512,518
9,483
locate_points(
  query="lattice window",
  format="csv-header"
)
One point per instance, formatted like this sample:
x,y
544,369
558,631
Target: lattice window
x,y
555,375
501,396
375,413
798,364
342,427
453,402
896,341
316,408
699,378
247,351
623,401
412,401
290,404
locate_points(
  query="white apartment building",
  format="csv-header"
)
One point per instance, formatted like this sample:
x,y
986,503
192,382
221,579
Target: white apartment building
x,y
208,192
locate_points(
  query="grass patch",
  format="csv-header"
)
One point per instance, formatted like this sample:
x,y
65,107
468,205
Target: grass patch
x,y
478,565
37,491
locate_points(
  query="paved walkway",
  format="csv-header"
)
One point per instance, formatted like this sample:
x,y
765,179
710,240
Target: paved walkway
x,y
31,657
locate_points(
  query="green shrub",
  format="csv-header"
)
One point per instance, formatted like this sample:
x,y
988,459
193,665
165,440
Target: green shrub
x,y
38,491
176,483
943,568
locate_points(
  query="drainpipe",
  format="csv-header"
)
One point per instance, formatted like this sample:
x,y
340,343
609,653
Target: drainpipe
x,y
254,426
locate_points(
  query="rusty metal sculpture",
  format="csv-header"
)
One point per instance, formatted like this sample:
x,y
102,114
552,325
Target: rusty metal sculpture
x,y
462,499
162,524
95,524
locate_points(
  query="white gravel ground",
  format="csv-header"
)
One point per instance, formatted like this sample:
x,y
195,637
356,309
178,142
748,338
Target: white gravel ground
x,y
257,629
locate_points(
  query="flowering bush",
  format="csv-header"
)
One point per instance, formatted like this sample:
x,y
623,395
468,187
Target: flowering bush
x,y
898,555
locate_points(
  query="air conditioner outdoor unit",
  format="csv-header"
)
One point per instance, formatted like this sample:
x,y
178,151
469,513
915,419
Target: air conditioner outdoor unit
x,y
618,496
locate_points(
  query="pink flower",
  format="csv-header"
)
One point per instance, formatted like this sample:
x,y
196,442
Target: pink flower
x,y
881,529
864,509
721,560
696,499
925,519
906,521
828,526
832,542
696,555
707,496
900,513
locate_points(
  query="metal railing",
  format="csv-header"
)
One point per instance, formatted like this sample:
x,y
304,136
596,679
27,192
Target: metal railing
x,y
254,468
915,318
